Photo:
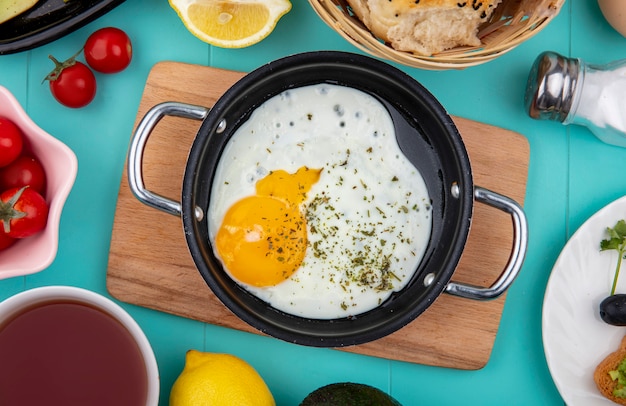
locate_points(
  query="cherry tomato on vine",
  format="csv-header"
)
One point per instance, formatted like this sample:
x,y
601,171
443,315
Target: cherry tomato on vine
x,y
11,141
23,212
72,83
108,50
26,170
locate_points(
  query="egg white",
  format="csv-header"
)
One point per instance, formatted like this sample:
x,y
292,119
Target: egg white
x,y
369,210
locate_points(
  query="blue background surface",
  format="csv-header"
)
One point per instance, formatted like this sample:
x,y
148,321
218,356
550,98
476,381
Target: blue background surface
x,y
572,174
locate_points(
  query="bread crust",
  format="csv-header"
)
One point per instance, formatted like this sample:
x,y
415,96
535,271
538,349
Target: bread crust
x,y
424,27
12,8
601,375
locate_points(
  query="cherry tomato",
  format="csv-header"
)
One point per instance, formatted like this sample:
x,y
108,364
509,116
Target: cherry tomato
x,y
72,83
5,240
24,171
23,212
11,141
108,50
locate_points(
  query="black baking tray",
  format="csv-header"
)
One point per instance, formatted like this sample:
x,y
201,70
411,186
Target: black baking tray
x,y
49,20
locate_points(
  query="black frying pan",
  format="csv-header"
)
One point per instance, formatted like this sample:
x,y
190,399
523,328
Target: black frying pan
x,y
427,136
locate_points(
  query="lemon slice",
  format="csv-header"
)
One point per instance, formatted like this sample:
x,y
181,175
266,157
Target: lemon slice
x,y
230,23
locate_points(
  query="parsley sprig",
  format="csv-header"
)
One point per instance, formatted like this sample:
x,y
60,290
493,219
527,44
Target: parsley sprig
x,y
616,241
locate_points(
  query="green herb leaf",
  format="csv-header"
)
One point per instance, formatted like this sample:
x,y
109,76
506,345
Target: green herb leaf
x,y
616,241
620,229
611,244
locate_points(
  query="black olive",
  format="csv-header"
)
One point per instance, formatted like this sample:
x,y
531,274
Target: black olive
x,y
613,310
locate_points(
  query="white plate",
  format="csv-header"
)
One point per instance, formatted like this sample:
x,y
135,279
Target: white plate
x,y
575,339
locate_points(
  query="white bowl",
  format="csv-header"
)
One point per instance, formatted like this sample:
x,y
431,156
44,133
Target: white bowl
x,y
35,253
24,300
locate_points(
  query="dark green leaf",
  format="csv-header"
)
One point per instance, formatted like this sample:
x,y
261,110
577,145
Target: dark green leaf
x,y
611,244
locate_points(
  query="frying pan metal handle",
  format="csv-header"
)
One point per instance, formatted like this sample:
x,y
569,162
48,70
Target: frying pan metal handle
x,y
518,250
137,147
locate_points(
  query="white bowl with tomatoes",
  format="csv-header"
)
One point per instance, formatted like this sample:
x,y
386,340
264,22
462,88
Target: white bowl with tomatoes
x,y
37,172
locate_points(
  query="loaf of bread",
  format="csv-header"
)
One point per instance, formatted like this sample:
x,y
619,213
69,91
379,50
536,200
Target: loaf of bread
x,y
424,27
13,8
602,375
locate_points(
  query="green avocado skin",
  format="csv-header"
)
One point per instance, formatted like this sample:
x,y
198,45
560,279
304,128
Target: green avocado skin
x,y
348,394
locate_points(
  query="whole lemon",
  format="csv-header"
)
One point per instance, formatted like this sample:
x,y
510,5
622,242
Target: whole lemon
x,y
219,379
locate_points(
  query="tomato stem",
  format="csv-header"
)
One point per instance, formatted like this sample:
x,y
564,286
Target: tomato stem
x,y
59,66
8,212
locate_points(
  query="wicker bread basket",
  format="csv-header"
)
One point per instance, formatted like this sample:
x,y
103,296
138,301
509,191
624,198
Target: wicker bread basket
x,y
512,22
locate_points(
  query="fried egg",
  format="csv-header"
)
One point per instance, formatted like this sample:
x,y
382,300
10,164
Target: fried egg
x,y
314,208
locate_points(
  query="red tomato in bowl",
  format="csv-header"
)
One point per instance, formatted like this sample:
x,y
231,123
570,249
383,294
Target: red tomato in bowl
x,y
24,171
108,50
5,240
23,212
11,141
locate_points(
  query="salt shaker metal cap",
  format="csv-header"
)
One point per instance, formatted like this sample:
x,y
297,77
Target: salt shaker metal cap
x,y
551,86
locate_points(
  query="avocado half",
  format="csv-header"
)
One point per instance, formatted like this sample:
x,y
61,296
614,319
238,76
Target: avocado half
x,y
348,394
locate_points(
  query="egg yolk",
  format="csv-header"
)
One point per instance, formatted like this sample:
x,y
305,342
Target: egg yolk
x,y
262,240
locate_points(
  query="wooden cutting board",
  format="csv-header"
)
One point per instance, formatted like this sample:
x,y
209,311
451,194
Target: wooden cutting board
x,y
150,265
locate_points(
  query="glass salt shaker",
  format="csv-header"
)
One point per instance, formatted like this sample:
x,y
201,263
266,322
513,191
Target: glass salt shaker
x,y
572,91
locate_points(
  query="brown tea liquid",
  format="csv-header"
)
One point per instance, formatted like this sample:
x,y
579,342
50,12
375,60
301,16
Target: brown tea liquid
x,y
69,353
